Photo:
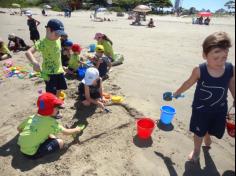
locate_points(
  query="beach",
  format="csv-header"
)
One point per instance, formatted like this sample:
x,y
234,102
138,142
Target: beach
x,y
157,60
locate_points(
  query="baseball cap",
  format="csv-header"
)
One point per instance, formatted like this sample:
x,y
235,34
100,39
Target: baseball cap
x,y
76,48
68,43
57,26
91,75
98,35
99,48
47,102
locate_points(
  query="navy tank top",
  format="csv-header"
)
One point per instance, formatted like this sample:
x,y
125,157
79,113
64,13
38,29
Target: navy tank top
x,y
211,93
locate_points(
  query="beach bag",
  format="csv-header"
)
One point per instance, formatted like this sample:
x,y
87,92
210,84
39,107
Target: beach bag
x,y
118,60
230,122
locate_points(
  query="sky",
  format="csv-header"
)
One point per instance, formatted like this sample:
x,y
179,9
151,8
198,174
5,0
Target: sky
x,y
213,5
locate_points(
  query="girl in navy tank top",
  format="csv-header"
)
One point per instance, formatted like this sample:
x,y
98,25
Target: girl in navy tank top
x,y
214,78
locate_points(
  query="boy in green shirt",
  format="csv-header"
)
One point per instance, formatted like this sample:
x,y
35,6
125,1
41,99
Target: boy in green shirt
x,y
36,138
50,47
75,59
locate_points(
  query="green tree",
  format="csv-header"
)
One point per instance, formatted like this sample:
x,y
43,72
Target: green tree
x,y
230,5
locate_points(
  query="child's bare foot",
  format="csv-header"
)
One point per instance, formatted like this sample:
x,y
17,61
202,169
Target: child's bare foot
x,y
194,156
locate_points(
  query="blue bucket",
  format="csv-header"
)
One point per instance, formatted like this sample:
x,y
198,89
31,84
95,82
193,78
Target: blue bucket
x,y
92,47
167,114
81,72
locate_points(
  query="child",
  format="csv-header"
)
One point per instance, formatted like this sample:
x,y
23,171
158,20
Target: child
x,y
4,51
50,47
213,78
151,23
66,52
32,23
16,43
75,59
90,89
36,137
102,63
103,40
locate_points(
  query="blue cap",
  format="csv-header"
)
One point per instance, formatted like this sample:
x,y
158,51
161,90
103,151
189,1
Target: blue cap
x,y
68,43
57,26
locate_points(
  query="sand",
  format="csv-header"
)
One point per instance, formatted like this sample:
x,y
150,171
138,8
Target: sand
x,y
156,60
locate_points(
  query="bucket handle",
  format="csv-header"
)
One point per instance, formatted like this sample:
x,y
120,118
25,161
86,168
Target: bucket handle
x,y
228,117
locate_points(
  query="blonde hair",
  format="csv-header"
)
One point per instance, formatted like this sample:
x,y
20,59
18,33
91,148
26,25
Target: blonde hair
x,y
216,40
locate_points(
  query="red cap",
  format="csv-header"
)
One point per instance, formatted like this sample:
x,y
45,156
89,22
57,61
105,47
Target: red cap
x,y
46,104
76,48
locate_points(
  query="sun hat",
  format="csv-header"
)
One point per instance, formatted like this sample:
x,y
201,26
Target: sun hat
x,y
99,48
46,104
76,48
57,26
91,75
68,43
98,35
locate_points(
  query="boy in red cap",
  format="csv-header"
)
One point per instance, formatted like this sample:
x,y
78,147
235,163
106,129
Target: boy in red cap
x,y
36,138
75,59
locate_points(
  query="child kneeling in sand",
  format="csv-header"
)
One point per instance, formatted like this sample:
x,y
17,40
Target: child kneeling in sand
x,y
75,60
101,62
36,138
90,89
214,78
4,51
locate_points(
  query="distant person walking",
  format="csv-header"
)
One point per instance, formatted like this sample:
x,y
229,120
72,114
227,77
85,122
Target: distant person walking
x,y
32,23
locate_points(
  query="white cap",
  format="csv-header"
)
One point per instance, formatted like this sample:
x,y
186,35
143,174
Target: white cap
x,y
28,14
91,75
12,35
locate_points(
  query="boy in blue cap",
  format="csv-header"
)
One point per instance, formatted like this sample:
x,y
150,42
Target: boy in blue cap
x,y
50,47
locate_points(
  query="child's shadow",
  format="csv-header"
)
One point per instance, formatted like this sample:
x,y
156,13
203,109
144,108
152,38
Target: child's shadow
x,y
192,169
81,115
24,164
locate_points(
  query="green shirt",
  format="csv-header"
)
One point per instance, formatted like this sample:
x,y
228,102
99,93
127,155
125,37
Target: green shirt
x,y
108,50
74,61
51,52
4,49
35,131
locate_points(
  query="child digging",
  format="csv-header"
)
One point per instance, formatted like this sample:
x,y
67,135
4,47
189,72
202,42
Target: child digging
x,y
50,47
36,138
213,78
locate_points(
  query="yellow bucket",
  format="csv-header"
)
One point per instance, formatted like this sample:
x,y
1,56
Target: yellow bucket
x,y
62,95
117,99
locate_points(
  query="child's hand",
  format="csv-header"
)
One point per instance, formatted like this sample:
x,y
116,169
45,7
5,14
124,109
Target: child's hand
x,y
36,67
101,105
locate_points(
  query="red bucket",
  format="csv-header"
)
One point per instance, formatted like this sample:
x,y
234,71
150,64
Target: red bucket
x,y
145,127
230,123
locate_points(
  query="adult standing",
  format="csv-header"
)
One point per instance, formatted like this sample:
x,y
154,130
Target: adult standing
x,y
32,23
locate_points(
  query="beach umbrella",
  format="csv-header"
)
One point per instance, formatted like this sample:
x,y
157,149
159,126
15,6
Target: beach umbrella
x,y
16,5
47,7
142,8
205,14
